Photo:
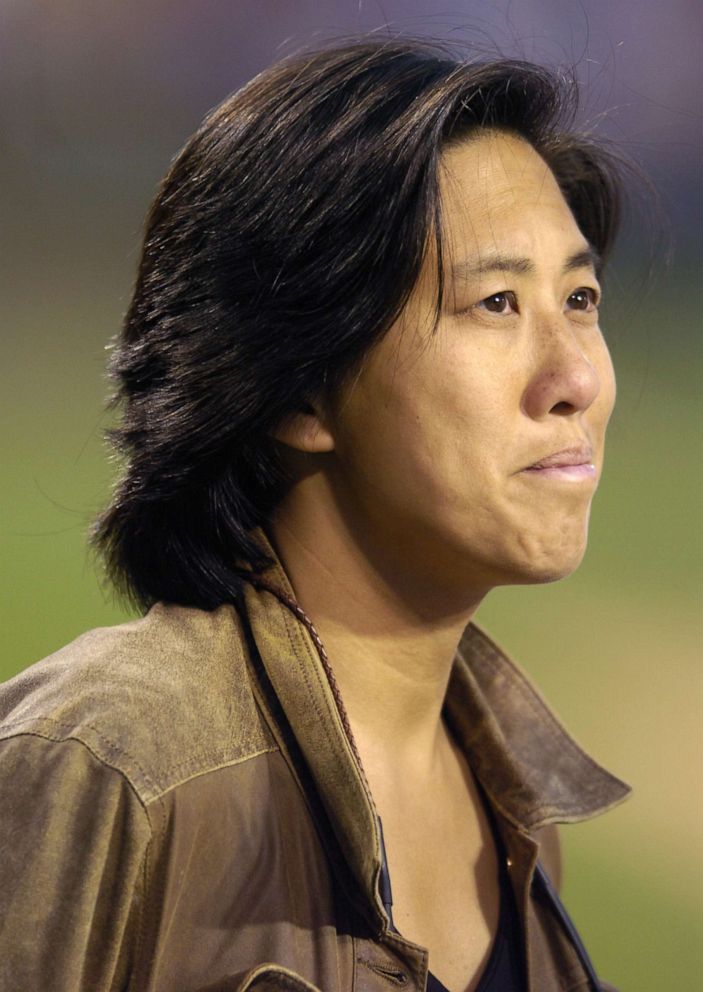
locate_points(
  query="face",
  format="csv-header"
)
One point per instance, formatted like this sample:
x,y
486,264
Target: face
x,y
471,451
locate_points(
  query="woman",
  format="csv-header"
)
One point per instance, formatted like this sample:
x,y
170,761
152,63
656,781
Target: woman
x,y
363,383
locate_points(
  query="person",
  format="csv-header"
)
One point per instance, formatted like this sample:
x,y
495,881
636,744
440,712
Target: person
x,y
362,384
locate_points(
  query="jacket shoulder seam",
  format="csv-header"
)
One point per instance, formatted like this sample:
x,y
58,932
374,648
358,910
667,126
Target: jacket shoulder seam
x,y
62,733
53,730
101,760
239,760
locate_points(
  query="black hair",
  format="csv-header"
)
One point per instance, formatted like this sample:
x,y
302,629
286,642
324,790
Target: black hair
x,y
281,246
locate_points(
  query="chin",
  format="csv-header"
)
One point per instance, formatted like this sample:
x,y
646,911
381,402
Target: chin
x,y
542,578
539,564
552,569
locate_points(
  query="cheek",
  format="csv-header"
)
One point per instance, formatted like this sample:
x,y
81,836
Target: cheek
x,y
384,449
612,388
420,440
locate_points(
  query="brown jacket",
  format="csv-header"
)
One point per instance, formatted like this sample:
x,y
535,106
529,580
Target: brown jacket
x,y
181,810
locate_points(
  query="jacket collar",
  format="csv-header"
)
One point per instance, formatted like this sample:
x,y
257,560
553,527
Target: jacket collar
x,y
530,767
533,770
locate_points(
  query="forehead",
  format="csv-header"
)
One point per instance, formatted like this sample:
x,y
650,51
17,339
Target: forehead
x,y
498,198
497,191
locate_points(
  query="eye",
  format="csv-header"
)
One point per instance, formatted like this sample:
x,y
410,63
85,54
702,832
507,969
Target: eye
x,y
585,299
500,303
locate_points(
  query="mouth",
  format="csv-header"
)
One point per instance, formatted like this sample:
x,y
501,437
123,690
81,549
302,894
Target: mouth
x,y
570,464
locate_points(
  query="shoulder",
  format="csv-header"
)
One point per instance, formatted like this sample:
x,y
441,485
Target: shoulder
x,y
159,699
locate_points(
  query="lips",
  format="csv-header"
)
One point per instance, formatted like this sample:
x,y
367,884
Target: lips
x,y
566,458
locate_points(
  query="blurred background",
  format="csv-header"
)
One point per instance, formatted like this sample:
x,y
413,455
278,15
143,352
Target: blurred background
x,y
96,97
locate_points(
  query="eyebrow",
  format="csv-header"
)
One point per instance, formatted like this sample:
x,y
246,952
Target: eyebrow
x,y
586,258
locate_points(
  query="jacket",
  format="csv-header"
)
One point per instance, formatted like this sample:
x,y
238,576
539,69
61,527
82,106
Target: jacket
x,y
182,810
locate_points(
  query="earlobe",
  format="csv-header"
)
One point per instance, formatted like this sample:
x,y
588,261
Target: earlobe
x,y
304,431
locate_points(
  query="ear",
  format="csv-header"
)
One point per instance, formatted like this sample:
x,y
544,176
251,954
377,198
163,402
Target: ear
x,y
305,430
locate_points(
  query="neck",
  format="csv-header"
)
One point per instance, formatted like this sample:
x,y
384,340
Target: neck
x,y
389,643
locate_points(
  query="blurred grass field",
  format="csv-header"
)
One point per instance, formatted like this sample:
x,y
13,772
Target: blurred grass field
x,y
615,649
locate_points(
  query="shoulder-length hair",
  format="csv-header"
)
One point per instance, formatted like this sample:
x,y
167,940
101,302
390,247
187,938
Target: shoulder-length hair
x,y
281,246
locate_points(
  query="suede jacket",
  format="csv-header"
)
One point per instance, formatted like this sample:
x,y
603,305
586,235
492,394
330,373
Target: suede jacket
x,y
181,810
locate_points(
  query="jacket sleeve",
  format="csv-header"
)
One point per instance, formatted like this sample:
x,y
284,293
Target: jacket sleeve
x,y
73,838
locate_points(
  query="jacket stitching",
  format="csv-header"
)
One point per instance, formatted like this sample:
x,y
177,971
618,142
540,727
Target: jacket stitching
x,y
65,733
157,888
347,769
277,976
215,768
144,960
140,922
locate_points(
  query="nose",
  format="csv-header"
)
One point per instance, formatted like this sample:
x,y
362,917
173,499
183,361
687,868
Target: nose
x,y
564,380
